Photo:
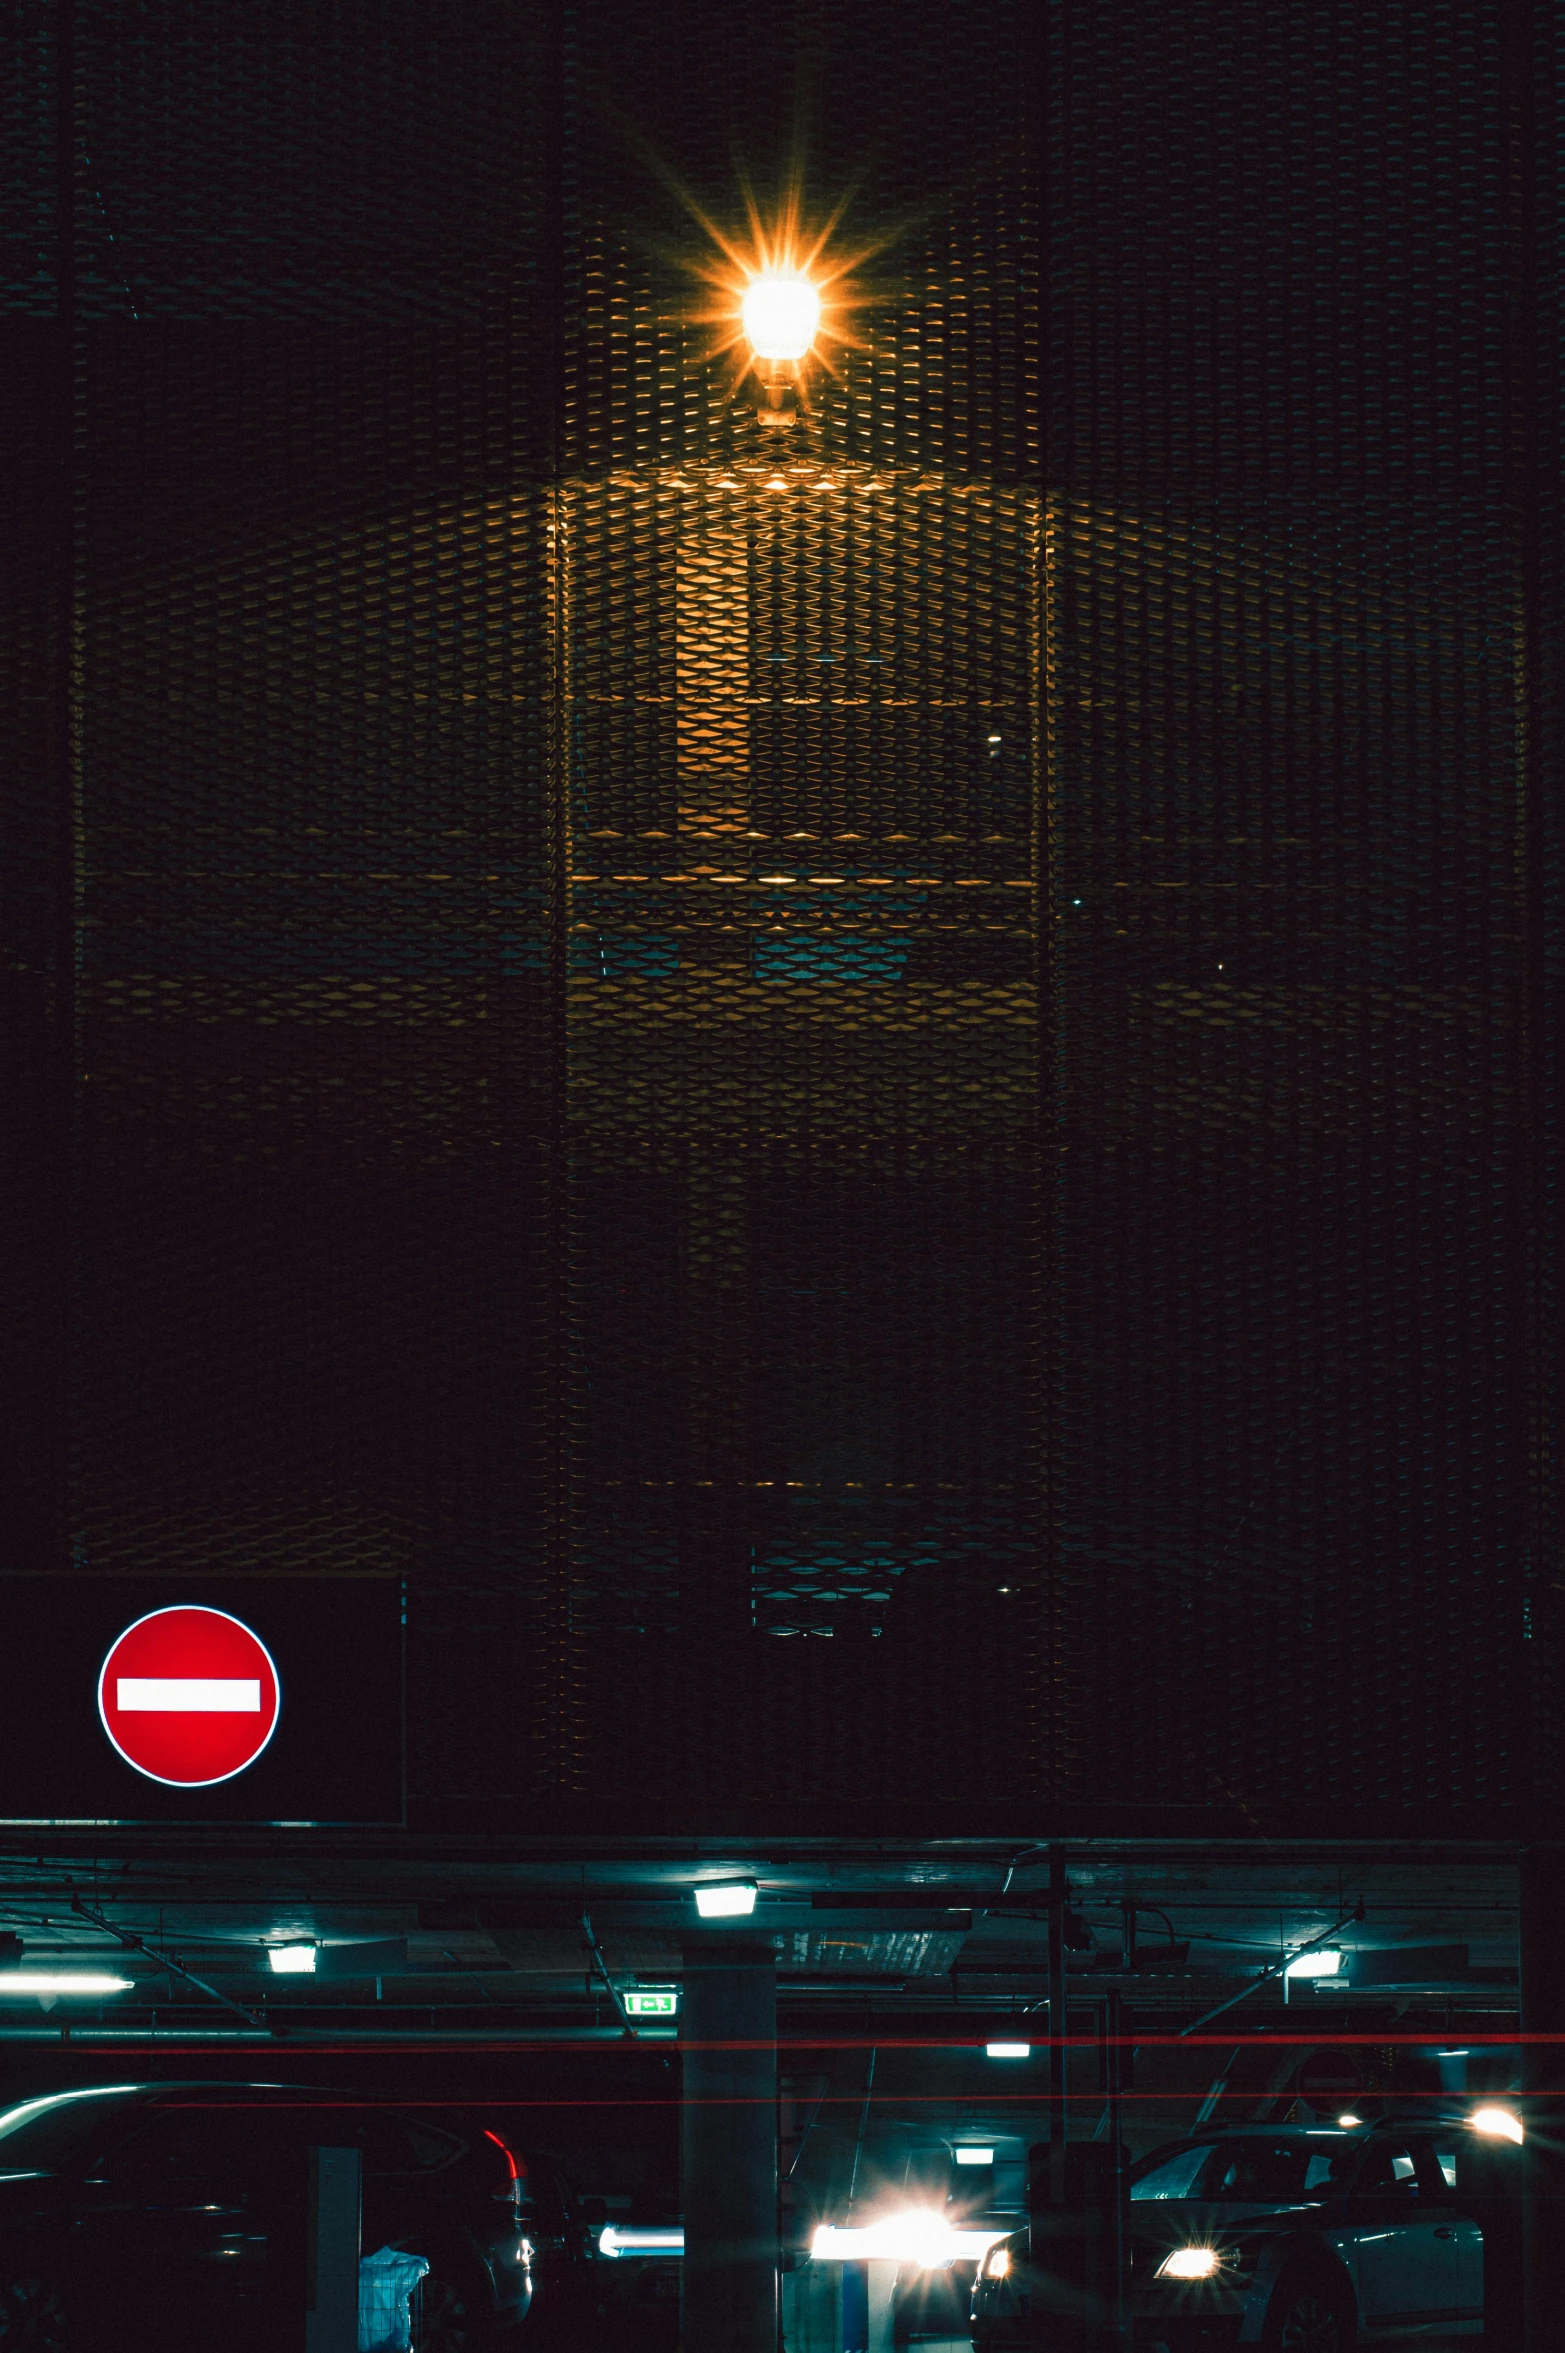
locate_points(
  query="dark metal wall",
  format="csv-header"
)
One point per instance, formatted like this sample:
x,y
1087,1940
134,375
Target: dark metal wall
x,y
873,1100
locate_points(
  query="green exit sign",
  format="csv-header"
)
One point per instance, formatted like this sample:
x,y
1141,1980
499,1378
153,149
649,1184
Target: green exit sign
x,y
662,2004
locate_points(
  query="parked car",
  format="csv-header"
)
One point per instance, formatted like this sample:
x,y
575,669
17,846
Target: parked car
x,y
1300,2239
175,2214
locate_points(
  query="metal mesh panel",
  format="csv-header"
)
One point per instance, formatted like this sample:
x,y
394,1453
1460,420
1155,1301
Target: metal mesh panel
x,y
1284,773
1535,55
802,1087
310,1298
875,1096
801,685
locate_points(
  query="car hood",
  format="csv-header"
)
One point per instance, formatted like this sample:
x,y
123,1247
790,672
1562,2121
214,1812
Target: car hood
x,y
1190,2222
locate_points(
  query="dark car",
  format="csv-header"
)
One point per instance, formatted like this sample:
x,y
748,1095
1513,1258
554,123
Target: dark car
x,y
1299,2239
175,2214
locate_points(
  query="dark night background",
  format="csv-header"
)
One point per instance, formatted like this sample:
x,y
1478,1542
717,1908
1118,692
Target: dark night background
x,y
998,1269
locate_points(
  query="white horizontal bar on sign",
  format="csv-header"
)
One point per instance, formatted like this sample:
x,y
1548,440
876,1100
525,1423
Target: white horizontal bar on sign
x,y
207,1695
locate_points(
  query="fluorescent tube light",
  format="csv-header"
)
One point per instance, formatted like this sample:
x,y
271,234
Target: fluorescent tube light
x,y
61,1981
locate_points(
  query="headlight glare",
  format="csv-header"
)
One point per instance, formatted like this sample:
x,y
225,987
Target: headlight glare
x,y
1190,2263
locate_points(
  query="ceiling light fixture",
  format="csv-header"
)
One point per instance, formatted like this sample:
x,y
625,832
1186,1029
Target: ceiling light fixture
x,y
1316,1964
292,1960
781,312
62,1981
726,1899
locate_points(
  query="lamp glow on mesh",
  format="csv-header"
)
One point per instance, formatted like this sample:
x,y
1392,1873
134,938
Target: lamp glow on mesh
x,y
781,312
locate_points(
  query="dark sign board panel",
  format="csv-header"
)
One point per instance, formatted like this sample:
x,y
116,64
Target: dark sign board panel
x,y
336,1754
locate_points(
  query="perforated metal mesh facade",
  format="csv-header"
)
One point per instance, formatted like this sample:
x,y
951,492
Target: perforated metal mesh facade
x,y
874,1098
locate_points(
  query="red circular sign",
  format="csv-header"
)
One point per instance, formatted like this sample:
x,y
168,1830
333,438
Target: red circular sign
x,y
189,1696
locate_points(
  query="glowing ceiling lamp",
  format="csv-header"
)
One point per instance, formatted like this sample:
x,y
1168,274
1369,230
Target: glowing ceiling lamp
x,y
292,1960
726,1899
1316,1964
781,312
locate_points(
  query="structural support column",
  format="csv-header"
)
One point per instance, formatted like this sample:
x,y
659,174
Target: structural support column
x,y
1543,2086
1059,2055
728,2146
331,2297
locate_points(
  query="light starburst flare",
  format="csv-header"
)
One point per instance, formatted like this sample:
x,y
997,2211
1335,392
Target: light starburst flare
x,y
782,289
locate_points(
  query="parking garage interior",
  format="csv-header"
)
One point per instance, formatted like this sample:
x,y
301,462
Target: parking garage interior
x,y
932,2018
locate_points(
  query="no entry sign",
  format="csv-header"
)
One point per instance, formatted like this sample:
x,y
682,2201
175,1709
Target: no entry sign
x,y
189,1696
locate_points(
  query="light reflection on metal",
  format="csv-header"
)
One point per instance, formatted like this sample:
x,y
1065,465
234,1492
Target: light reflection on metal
x,y
712,680
617,2239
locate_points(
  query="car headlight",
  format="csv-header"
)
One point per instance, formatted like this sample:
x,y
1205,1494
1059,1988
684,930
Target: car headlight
x,y
997,2262
1190,2263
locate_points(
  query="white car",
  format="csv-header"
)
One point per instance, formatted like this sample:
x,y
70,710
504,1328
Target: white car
x,y
1299,2239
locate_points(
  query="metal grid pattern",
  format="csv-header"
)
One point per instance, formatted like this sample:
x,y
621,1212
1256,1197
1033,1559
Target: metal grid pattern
x,y
874,1098
1286,903
802,1072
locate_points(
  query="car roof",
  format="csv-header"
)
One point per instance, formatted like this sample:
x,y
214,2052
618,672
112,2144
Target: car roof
x,y
1210,2136
1397,2119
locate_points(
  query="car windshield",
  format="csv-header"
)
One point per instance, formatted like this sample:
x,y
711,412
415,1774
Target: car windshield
x,y
41,2134
1256,2168
1175,2177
